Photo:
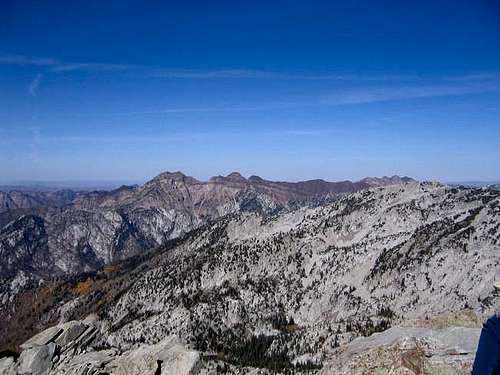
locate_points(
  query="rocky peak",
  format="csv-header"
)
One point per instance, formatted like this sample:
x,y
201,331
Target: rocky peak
x,y
235,176
173,176
231,178
256,179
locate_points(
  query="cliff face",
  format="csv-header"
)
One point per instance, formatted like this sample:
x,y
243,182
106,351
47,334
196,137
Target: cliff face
x,y
81,232
289,289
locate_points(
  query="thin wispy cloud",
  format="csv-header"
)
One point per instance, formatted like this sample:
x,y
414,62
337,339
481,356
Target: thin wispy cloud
x,y
54,65
25,60
187,110
35,83
217,74
57,66
301,132
37,139
394,93
352,88
482,76
90,67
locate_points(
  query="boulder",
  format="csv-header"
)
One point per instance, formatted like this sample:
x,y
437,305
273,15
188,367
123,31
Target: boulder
x,y
7,366
168,356
37,360
43,338
406,350
86,363
71,331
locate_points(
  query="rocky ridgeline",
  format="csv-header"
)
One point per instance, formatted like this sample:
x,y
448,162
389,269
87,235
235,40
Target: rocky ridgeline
x,y
67,349
46,233
306,290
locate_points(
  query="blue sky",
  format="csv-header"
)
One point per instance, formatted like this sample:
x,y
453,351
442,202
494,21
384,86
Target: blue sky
x,y
289,90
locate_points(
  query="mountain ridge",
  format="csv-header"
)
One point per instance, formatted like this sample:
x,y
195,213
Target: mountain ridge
x,y
88,229
22,197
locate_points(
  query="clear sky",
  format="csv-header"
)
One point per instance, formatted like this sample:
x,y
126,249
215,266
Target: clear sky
x,y
288,90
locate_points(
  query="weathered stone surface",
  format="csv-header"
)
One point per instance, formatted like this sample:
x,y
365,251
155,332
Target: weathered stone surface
x,y
404,350
36,360
71,331
43,337
454,340
85,364
7,366
168,355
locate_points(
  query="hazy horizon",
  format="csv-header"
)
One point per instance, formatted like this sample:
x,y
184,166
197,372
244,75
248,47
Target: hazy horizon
x,y
107,184
287,91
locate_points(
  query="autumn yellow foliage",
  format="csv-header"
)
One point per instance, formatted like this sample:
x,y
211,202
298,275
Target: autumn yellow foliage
x,y
83,287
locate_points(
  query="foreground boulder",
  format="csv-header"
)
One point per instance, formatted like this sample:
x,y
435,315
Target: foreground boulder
x,y
37,359
7,366
406,350
67,349
166,357
42,338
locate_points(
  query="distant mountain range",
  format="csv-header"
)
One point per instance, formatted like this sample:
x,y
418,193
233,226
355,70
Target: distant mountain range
x,y
70,232
50,186
475,183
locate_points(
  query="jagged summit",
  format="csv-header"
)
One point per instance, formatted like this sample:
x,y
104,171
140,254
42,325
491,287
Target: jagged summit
x,y
168,174
235,176
231,178
254,178
174,176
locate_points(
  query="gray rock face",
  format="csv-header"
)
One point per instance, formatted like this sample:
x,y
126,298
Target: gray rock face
x,y
24,246
168,356
43,338
36,360
398,350
91,361
70,332
402,350
7,366
61,232
69,355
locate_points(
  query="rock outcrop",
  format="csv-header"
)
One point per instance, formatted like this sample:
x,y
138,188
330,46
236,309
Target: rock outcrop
x,y
402,350
66,350
398,350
